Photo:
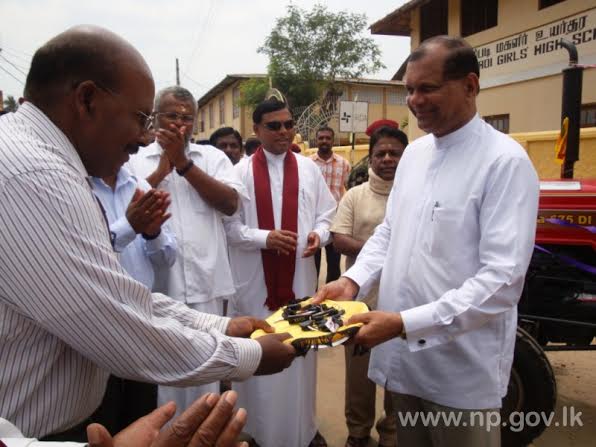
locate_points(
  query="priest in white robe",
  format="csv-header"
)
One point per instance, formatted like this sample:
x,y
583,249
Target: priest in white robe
x,y
272,240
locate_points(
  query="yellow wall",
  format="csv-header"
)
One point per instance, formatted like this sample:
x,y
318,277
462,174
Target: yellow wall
x,y
244,123
540,147
236,123
533,105
519,15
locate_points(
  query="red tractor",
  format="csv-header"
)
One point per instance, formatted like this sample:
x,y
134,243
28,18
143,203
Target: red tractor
x,y
557,309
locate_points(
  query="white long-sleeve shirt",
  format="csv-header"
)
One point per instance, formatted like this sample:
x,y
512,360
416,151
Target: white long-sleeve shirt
x,y
69,314
282,406
316,209
452,254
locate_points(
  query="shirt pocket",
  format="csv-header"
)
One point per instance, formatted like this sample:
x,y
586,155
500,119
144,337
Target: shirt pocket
x,y
306,197
445,232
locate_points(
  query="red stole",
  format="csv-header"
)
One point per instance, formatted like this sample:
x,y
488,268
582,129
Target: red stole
x,y
279,269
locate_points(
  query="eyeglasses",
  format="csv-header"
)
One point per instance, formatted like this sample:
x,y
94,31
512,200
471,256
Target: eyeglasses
x,y
275,126
174,116
145,121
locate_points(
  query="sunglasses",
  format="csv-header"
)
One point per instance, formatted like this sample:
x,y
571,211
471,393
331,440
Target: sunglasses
x,y
275,126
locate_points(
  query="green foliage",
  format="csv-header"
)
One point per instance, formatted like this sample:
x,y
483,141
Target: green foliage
x,y
10,104
252,91
309,50
404,123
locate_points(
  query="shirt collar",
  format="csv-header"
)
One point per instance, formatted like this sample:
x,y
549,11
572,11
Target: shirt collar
x,y
123,178
458,136
274,158
52,135
329,160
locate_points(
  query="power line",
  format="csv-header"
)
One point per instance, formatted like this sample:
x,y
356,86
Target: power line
x,y
14,65
194,80
205,27
13,50
18,56
11,75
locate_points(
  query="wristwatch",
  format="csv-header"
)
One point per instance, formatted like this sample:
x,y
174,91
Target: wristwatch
x,y
182,172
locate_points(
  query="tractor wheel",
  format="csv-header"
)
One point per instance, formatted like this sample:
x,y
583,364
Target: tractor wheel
x,y
532,388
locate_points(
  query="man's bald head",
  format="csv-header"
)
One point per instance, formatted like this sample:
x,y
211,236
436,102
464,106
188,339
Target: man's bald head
x,y
98,90
81,53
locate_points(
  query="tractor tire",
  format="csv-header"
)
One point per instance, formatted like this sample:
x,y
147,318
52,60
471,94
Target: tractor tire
x,y
532,388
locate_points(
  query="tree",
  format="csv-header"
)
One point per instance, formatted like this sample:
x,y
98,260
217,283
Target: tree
x,y
309,50
10,104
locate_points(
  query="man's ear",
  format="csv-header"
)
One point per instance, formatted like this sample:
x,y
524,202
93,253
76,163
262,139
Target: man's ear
x,y
254,129
85,95
472,84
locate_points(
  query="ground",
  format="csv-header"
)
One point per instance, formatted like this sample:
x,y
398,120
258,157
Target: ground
x,y
576,387
576,384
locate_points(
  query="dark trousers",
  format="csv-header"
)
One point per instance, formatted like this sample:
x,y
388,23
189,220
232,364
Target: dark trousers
x,y
333,258
123,403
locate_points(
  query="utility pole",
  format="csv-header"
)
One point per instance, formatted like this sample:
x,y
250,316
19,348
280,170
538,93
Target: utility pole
x,y
177,72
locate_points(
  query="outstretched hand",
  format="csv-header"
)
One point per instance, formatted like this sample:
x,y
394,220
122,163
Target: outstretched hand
x,y
343,289
313,243
209,421
244,326
378,327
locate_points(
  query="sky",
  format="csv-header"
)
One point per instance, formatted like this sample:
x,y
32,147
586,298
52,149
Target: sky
x,y
211,38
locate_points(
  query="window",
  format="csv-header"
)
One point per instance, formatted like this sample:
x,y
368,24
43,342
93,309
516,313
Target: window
x,y
396,97
202,121
222,110
499,122
433,19
478,15
587,117
546,3
371,96
236,102
211,120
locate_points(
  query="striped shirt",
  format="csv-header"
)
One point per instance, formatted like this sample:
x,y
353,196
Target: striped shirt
x,y
69,314
335,170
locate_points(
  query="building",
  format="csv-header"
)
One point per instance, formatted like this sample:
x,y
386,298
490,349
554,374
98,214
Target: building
x,y
517,43
221,105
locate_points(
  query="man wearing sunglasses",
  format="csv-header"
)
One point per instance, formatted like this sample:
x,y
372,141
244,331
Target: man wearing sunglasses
x,y
273,238
203,188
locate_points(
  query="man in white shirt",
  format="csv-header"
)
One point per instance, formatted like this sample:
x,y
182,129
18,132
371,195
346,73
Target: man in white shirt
x,y
70,313
203,188
451,255
273,238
